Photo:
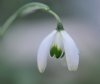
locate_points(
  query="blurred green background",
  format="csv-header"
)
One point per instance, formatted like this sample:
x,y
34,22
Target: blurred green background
x,y
18,51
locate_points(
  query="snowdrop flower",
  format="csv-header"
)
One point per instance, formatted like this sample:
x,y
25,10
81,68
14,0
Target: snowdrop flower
x,y
58,44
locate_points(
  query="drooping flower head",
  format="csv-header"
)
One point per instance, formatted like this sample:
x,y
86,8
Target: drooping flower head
x,y
58,44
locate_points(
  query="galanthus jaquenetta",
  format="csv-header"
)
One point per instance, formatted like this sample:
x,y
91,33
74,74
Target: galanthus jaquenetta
x,y
58,44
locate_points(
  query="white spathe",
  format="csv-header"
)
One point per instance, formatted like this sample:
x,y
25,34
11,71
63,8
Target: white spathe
x,y
69,47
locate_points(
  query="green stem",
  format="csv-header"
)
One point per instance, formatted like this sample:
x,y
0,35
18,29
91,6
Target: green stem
x,y
59,22
26,9
7,24
55,15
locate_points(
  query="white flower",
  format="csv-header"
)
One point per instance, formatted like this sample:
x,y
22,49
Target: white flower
x,y
58,44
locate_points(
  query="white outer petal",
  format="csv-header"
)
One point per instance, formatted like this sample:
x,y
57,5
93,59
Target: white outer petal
x,y
43,51
71,51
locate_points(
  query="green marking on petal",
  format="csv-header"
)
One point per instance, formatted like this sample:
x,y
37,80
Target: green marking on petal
x,y
62,54
55,51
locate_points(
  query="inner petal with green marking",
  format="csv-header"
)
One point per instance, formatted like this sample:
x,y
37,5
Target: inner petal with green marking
x,y
56,51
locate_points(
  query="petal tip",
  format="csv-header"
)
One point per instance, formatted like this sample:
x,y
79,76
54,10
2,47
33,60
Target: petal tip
x,y
72,68
41,69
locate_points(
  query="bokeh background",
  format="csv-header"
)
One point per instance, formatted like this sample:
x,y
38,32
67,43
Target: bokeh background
x,y
18,51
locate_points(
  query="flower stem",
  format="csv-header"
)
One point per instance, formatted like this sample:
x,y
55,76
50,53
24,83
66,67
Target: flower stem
x,y
26,9
59,22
